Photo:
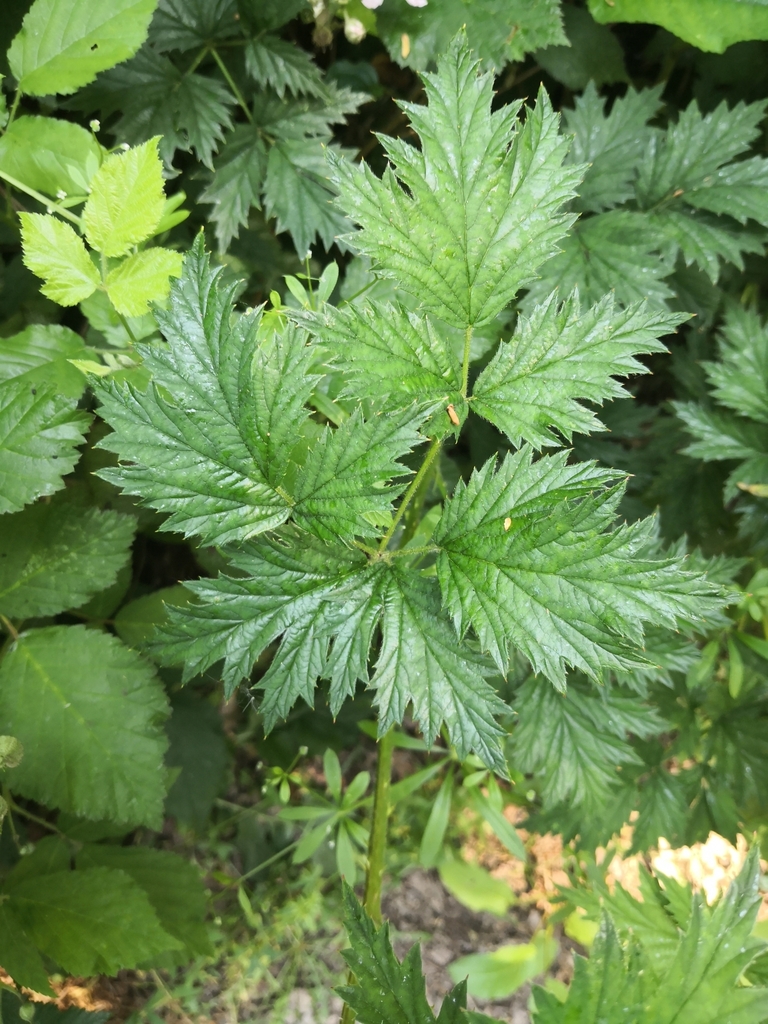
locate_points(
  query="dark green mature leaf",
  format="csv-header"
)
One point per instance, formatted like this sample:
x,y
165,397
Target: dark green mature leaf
x,y
386,351
619,251
298,195
612,144
609,988
172,884
705,239
421,662
20,955
344,477
89,922
198,749
63,44
192,24
576,741
98,749
42,353
526,560
40,431
291,584
237,182
188,437
560,354
56,556
189,111
739,381
498,31
386,990
686,162
231,409
482,210
594,55
274,62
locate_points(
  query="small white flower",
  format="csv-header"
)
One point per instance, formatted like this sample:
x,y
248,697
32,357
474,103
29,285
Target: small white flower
x,y
354,30
61,194
372,4
95,125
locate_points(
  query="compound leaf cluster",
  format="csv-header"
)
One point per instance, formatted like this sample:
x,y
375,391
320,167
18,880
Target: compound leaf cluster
x,y
523,557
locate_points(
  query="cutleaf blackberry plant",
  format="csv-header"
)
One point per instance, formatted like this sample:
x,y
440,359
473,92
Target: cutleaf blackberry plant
x,y
393,478
322,517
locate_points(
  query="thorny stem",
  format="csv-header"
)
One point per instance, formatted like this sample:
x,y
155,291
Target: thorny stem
x,y
431,455
465,362
377,846
231,83
49,204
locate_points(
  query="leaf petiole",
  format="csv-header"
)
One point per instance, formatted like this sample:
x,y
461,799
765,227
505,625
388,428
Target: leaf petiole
x,y
415,484
49,204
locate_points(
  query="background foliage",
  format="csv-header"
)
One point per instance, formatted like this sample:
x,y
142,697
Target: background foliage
x,y
140,132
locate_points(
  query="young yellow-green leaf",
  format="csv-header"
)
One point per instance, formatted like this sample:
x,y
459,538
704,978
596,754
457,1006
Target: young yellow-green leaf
x,y
63,44
50,155
141,279
498,974
56,556
126,201
89,922
40,431
98,749
476,888
56,253
480,205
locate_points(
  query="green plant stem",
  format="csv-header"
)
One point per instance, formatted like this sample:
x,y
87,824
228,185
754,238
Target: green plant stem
x,y
14,108
127,327
9,627
413,516
49,204
415,484
465,361
13,806
231,83
377,847
260,867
